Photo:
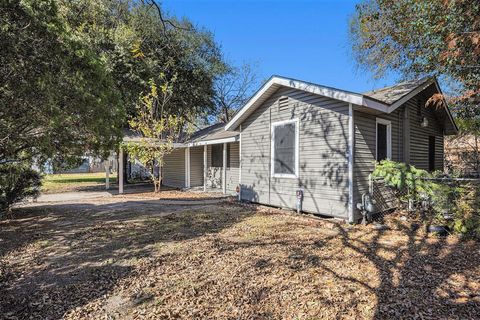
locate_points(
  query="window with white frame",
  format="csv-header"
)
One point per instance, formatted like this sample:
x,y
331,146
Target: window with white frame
x,y
384,140
285,149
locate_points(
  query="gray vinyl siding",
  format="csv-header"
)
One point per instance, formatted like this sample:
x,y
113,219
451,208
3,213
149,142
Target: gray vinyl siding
x,y
233,170
323,150
174,169
365,149
365,145
419,136
196,166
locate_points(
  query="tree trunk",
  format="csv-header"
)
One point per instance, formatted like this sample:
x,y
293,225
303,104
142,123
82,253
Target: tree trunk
x,y
157,182
157,177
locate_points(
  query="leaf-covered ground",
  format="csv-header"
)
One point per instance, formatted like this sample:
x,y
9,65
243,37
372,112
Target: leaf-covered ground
x,y
105,260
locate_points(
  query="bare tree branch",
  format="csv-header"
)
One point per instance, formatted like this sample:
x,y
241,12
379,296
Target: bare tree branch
x,y
233,89
165,22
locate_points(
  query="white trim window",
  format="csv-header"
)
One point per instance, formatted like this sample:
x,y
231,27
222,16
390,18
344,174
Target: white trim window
x,y
383,138
285,149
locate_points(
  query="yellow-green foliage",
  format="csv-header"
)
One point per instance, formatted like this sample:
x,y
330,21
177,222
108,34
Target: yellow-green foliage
x,y
159,129
405,178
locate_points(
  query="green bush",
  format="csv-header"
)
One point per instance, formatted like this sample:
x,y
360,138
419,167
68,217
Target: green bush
x,y
17,182
448,196
409,181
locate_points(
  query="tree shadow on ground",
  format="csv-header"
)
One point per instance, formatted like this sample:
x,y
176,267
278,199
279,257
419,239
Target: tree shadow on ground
x,y
422,276
59,257
407,273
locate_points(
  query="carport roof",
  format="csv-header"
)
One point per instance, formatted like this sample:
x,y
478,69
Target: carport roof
x,y
213,134
210,135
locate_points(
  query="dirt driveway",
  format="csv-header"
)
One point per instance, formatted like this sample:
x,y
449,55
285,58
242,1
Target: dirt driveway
x,y
121,257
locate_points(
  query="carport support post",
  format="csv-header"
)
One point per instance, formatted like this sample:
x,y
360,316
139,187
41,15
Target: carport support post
x,y
224,178
107,174
120,171
205,168
187,167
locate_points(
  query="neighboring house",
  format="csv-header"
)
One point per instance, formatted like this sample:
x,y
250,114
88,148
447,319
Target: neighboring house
x,y
90,165
297,135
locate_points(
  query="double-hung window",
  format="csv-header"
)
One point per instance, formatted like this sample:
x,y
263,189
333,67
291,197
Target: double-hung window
x,y
285,149
384,139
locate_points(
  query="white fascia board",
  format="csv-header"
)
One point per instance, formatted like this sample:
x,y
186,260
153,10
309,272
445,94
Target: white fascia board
x,y
218,141
336,94
373,104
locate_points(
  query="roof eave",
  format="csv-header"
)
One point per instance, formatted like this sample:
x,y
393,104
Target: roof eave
x,y
349,97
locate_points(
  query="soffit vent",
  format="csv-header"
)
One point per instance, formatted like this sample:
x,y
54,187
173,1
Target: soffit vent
x,y
283,103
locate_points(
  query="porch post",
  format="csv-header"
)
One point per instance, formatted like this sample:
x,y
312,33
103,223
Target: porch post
x,y
205,168
187,167
107,174
351,159
224,178
120,171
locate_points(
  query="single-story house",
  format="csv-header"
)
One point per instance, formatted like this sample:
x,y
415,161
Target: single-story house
x,y
295,135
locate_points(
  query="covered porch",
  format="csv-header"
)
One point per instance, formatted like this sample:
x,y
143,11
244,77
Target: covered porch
x,y
208,161
213,166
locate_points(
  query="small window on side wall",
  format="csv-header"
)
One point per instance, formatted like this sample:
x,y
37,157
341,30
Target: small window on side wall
x,y
285,149
383,140
217,155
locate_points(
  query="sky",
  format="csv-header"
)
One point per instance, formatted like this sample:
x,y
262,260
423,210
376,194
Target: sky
x,y
301,39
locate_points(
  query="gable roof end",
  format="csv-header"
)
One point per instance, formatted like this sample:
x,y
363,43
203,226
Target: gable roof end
x,y
393,94
276,82
385,100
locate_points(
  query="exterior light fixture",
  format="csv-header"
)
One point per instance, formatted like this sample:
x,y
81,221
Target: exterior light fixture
x,y
424,123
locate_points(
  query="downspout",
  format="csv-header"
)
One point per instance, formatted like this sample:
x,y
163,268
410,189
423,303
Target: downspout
x,y
269,153
351,155
240,166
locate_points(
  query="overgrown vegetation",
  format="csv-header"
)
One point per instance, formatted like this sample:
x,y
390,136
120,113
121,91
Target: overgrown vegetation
x,y
17,182
451,201
421,37
71,73
408,180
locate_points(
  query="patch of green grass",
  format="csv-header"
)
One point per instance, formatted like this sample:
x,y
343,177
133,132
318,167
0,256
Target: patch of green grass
x,y
73,181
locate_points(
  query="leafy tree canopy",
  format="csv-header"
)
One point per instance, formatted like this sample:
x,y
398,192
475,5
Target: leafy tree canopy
x,y
422,37
56,97
70,70
139,43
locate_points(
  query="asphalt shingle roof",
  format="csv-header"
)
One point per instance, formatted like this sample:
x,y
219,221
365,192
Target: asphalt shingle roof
x,y
394,93
213,132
